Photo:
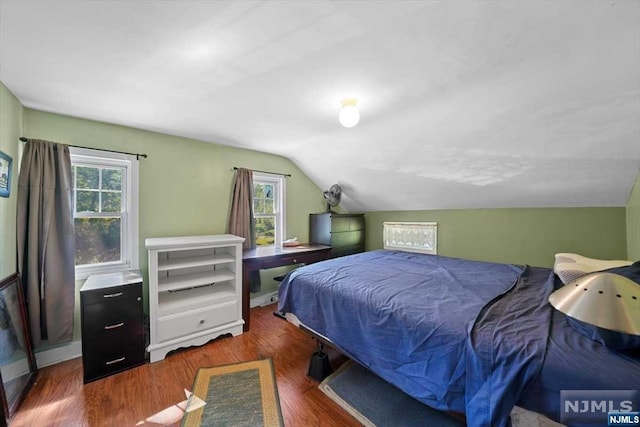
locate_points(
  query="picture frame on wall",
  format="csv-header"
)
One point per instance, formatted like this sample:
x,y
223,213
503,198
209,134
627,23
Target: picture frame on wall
x,y
5,174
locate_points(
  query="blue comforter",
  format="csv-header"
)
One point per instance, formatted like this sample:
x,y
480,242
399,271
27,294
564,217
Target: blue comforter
x,y
449,332
458,335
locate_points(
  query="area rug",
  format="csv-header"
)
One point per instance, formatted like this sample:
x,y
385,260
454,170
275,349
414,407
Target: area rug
x,y
242,394
374,402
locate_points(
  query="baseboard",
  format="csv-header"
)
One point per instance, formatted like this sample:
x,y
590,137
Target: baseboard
x,y
262,300
51,356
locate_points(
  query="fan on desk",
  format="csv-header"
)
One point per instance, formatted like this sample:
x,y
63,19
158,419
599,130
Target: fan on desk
x,y
332,196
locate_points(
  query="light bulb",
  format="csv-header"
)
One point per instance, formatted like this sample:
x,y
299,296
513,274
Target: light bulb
x,y
349,115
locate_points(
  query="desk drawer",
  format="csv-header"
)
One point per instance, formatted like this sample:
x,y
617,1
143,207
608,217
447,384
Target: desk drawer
x,y
293,258
194,321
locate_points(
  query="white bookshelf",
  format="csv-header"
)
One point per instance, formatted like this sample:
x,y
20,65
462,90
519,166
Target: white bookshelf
x,y
195,290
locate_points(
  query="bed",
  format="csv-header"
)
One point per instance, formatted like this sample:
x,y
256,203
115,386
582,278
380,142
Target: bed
x,y
458,335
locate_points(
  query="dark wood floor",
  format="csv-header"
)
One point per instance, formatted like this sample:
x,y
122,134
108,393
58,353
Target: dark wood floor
x,y
59,397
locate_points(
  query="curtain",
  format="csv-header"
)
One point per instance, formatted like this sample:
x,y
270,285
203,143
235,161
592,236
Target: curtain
x,y
241,216
241,221
46,241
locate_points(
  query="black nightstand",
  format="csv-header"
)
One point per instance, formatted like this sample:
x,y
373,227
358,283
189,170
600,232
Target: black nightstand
x,y
112,324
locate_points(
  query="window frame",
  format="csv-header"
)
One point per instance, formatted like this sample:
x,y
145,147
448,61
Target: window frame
x,y
279,203
129,231
421,237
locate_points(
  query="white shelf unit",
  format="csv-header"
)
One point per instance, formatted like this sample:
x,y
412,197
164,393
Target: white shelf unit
x,y
195,290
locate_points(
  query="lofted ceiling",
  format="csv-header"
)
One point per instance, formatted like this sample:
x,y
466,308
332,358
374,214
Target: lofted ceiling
x,y
464,104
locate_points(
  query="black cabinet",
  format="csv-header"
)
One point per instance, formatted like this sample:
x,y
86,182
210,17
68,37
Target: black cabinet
x,y
112,324
343,232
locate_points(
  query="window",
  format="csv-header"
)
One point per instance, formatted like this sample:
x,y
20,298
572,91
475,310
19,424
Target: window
x,y
268,208
411,236
105,211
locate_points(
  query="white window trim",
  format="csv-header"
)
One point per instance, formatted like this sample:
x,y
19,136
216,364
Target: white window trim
x,y
130,254
280,184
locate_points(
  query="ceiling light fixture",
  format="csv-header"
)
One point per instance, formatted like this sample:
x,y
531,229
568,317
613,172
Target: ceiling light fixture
x,y
349,115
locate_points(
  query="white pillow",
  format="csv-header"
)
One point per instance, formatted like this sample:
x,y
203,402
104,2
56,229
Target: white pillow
x,y
570,267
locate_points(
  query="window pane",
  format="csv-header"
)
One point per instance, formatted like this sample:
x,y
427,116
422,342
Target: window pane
x,y
258,191
87,201
112,179
268,206
97,240
111,202
258,206
87,177
268,191
265,231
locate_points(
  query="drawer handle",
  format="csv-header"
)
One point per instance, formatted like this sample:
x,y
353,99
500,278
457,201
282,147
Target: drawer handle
x,y
117,294
111,362
202,322
114,326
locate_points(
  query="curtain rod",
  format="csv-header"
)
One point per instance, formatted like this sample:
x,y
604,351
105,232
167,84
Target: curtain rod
x,y
235,168
138,155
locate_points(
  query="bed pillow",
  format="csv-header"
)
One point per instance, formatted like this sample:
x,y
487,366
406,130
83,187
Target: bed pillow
x,y
570,267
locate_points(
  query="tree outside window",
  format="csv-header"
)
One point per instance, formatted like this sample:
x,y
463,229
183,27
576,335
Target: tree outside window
x,y
105,211
268,202
264,213
98,214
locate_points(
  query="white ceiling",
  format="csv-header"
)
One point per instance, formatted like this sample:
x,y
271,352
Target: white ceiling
x,y
463,104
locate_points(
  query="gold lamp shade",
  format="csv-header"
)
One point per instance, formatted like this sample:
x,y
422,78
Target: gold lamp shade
x,y
606,300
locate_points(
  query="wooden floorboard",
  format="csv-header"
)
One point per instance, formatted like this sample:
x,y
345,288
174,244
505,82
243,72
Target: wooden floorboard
x,y
59,398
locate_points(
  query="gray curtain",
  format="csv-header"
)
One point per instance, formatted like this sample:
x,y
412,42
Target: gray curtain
x,y
241,221
46,241
241,215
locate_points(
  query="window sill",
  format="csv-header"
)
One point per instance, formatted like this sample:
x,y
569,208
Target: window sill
x,y
84,272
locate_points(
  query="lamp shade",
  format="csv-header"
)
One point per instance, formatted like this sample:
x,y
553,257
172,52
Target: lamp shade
x,y
606,300
349,114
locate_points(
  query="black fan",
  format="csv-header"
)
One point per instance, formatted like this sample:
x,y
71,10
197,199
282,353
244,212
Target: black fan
x,y
332,196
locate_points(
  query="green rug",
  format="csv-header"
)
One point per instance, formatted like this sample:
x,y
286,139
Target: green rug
x,y
242,394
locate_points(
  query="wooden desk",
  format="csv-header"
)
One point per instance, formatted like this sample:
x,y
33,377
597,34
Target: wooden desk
x,y
271,257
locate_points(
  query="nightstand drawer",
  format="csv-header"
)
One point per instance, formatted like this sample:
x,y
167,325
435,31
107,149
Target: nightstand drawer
x,y
195,321
113,295
108,319
114,355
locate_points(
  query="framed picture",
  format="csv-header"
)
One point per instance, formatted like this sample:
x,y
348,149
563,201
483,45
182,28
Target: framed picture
x,y
5,175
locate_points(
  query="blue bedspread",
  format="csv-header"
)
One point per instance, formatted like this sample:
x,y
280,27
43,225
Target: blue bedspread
x,y
506,348
405,317
458,335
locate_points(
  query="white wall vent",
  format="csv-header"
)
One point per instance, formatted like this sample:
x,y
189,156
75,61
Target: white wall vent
x,y
411,236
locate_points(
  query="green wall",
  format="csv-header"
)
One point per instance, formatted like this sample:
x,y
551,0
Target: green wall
x,y
11,112
633,222
519,236
185,185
